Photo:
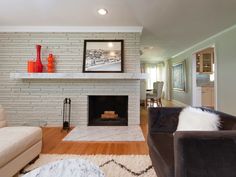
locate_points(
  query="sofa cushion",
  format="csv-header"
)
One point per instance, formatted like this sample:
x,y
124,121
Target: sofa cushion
x,y
195,119
15,140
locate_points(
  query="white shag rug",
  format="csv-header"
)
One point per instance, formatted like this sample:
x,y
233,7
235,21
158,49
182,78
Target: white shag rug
x,y
105,133
111,165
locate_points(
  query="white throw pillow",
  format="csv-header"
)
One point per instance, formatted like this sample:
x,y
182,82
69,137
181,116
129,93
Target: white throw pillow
x,y
194,119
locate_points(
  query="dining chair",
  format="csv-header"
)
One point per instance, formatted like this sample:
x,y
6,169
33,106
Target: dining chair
x,y
156,95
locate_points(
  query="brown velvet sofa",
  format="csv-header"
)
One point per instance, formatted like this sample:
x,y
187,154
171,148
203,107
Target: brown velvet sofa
x,y
191,153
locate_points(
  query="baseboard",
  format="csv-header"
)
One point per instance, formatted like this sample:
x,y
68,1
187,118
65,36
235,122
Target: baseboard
x,y
59,125
179,103
53,125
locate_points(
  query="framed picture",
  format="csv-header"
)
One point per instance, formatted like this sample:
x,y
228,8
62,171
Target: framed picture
x,y
179,76
103,56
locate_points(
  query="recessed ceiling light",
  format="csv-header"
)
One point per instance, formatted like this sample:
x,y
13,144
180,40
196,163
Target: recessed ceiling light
x,y
102,11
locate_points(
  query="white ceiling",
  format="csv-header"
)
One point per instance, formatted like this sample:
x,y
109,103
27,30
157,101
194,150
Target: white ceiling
x,y
169,26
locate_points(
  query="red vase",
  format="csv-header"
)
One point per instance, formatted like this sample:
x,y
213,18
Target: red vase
x,y
38,64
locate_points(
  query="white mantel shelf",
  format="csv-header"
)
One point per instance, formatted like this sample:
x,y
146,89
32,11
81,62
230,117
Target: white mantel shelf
x,y
116,76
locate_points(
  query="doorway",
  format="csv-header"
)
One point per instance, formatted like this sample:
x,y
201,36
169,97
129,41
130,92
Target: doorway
x,y
204,72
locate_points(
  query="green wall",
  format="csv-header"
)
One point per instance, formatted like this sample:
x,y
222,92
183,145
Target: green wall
x,y
225,45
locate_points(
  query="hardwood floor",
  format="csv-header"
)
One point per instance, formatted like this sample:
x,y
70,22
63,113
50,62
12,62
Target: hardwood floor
x,y
53,144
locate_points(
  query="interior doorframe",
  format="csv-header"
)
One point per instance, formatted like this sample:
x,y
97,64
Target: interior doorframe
x,y
194,84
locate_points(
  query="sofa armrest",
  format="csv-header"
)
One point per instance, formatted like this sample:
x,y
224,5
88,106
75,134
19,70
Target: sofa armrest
x,y
163,119
205,154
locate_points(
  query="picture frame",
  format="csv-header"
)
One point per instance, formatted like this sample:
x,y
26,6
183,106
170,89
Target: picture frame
x,y
103,56
179,76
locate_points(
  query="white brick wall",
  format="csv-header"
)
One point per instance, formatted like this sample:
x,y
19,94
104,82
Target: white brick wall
x,y
34,101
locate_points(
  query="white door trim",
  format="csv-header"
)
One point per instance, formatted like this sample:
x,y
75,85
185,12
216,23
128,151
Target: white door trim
x,y
194,85
216,79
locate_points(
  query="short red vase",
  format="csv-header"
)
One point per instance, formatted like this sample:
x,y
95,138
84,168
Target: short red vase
x,y
38,64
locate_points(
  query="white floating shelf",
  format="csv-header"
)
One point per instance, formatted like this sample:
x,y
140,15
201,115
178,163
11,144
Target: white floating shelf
x,y
117,76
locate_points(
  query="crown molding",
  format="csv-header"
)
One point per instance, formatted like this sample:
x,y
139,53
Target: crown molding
x,y
208,39
137,29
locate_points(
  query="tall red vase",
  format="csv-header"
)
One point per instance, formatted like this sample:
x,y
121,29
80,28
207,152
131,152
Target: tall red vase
x,y
38,64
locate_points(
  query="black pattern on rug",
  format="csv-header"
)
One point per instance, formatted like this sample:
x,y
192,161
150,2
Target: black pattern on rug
x,y
127,169
23,172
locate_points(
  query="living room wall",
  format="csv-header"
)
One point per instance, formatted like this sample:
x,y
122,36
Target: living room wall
x,y
225,43
34,102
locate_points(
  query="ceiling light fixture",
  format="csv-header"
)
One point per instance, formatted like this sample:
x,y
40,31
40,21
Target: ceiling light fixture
x,y
102,11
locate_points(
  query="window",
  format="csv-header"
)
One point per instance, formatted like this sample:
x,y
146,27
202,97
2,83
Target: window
x,y
156,73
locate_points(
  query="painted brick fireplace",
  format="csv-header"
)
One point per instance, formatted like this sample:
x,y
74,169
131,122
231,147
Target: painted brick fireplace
x,y
31,101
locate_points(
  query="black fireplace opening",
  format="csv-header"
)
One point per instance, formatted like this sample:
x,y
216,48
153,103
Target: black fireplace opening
x,y
108,110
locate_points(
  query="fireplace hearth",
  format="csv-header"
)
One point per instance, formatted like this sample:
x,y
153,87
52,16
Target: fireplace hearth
x,y
107,110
